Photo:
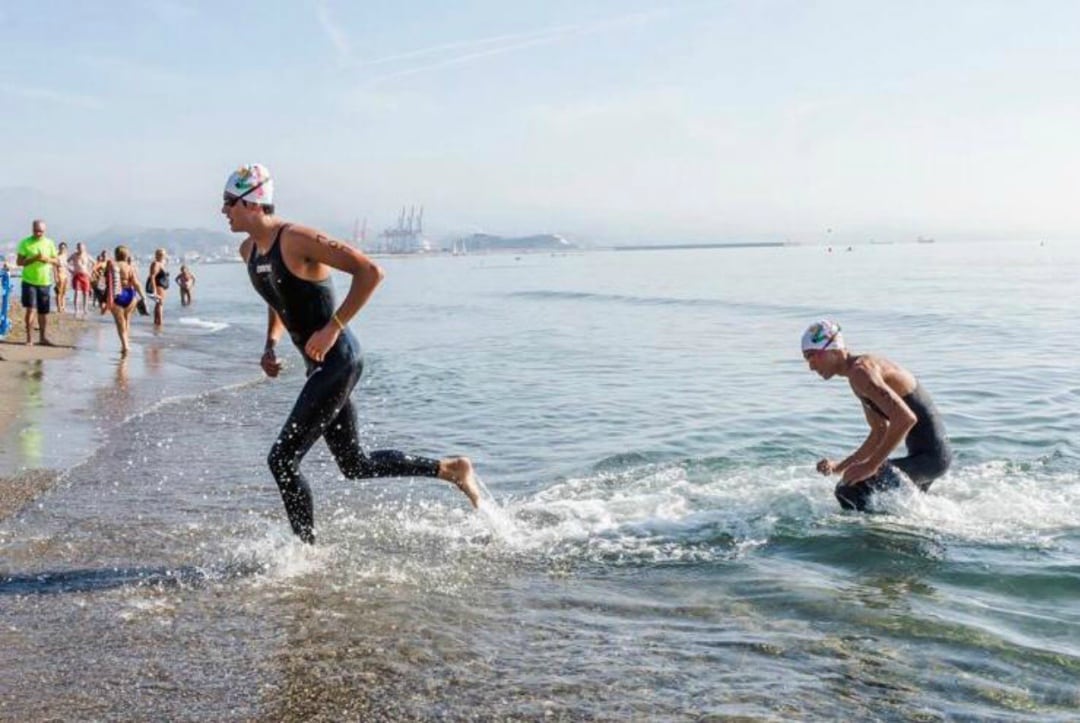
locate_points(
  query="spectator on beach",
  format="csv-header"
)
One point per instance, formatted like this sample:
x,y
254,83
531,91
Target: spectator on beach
x,y
37,256
61,285
186,281
98,282
157,281
80,264
122,293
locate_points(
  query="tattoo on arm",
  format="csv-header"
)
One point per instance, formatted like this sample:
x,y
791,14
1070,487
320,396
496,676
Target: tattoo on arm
x,y
327,241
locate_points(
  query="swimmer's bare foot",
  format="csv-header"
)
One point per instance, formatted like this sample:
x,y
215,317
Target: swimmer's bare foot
x,y
459,470
46,342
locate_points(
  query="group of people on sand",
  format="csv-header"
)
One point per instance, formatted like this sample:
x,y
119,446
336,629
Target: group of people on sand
x,y
112,283
289,266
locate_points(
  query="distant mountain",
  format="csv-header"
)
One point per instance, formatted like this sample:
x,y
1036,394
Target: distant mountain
x,y
176,241
19,205
478,242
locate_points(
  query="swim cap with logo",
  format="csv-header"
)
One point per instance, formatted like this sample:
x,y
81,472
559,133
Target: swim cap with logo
x,y
822,334
251,183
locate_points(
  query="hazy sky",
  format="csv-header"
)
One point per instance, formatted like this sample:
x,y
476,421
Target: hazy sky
x,y
646,121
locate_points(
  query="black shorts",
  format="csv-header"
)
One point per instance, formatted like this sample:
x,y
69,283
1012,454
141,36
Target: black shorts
x,y
36,297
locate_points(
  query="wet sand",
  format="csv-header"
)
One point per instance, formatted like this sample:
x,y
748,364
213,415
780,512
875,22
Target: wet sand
x,y
19,362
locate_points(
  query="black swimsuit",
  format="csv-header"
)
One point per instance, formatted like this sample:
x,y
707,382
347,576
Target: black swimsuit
x,y
161,278
323,408
929,454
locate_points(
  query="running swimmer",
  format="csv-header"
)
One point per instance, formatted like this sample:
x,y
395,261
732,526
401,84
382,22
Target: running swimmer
x,y
896,407
289,266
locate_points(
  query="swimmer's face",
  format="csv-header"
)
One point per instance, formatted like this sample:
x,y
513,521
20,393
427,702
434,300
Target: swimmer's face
x,y
822,361
240,213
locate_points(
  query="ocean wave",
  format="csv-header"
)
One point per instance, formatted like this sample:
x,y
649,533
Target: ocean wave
x,y
691,302
855,317
198,323
187,398
692,512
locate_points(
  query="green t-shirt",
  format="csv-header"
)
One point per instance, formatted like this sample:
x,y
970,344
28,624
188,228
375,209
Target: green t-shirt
x,y
38,273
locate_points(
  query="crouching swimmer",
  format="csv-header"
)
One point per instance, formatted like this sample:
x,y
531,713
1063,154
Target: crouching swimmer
x,y
896,407
289,266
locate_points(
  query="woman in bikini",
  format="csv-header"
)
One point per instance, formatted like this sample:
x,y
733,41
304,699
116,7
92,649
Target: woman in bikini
x,y
122,292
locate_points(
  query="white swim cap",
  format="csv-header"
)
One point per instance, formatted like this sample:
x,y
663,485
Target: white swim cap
x,y
251,183
822,334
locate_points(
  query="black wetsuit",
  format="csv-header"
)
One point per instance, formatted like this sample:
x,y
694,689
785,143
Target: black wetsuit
x,y
929,454
323,408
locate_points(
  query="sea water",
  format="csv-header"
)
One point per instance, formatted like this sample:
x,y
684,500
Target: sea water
x,y
653,541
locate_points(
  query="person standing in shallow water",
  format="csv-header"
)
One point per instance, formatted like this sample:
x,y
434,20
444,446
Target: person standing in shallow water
x,y
289,265
896,407
157,281
186,281
122,294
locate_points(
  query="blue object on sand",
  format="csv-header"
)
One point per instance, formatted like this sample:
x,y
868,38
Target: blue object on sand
x,y
5,289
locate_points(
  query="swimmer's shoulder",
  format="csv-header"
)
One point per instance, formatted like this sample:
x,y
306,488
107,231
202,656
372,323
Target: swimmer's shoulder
x,y
299,234
245,249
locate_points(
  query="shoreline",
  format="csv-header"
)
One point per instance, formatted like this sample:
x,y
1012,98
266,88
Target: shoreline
x,y
18,364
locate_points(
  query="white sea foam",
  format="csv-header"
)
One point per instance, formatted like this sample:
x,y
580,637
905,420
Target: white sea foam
x,y
161,403
198,323
660,514
993,504
282,555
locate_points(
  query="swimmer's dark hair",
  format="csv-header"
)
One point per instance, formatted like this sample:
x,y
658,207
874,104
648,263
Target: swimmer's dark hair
x,y
268,208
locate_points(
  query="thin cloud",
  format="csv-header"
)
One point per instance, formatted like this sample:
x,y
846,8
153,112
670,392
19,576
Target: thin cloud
x,y
468,44
334,34
469,51
462,59
118,70
52,96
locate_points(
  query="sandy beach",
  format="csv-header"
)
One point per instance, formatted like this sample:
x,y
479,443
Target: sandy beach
x,y
19,362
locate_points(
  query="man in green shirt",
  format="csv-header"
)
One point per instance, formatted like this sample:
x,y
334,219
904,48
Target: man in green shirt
x,y
37,255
